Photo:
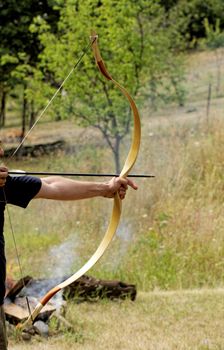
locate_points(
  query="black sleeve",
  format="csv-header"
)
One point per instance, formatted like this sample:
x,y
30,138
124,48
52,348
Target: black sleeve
x,y
19,190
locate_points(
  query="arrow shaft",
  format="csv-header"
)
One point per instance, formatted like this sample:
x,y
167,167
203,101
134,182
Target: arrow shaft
x,y
45,173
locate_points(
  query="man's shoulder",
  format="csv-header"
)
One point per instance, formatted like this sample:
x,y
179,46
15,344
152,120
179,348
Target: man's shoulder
x,y
19,190
22,179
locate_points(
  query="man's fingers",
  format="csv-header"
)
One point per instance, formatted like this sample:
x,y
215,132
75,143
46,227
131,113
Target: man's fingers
x,y
3,169
124,184
127,182
3,175
132,184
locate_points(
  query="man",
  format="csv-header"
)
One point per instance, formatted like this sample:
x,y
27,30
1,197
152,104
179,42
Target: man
x,y
21,190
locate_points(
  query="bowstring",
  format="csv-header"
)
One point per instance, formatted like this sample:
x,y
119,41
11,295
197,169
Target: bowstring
x,y
17,252
53,97
18,148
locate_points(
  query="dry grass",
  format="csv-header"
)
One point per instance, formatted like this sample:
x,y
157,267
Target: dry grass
x,y
175,227
159,320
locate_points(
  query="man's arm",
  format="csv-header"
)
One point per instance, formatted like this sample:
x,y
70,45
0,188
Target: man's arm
x,y
60,188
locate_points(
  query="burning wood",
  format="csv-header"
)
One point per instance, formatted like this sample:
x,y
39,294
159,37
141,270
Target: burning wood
x,y
16,314
13,288
84,289
22,296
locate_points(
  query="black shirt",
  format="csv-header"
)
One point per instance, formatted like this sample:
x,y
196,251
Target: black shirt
x,y
19,191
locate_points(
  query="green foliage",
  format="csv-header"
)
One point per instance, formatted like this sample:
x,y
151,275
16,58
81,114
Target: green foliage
x,y
191,14
17,41
214,36
19,49
139,48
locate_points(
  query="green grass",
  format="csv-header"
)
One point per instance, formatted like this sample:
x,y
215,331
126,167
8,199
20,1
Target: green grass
x,y
183,320
170,236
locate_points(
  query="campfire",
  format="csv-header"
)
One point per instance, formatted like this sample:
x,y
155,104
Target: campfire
x,y
22,297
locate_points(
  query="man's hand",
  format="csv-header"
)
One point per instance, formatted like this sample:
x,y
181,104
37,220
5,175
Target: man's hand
x,y
120,185
3,175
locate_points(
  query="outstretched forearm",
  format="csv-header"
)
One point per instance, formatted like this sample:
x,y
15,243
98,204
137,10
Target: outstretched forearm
x,y
59,188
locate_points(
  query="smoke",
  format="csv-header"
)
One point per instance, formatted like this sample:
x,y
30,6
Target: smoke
x,y
124,238
63,257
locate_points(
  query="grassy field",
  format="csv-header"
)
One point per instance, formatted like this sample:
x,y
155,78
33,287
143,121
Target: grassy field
x,y
170,238
158,320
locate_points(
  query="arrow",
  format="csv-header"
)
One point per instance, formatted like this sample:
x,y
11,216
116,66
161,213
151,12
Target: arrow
x,y
44,173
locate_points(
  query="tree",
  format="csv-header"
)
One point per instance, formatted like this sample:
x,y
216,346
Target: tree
x,y
19,47
189,16
137,44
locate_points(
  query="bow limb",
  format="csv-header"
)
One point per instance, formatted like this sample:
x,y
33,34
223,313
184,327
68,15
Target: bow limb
x,y
116,212
134,149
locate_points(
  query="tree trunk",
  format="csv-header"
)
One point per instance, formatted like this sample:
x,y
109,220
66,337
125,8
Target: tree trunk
x,y
32,115
3,108
24,114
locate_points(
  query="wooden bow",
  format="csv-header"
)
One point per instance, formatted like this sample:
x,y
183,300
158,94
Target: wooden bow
x,y
116,212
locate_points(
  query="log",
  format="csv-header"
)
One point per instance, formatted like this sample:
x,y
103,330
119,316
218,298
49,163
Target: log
x,y
16,313
88,288
13,289
36,150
